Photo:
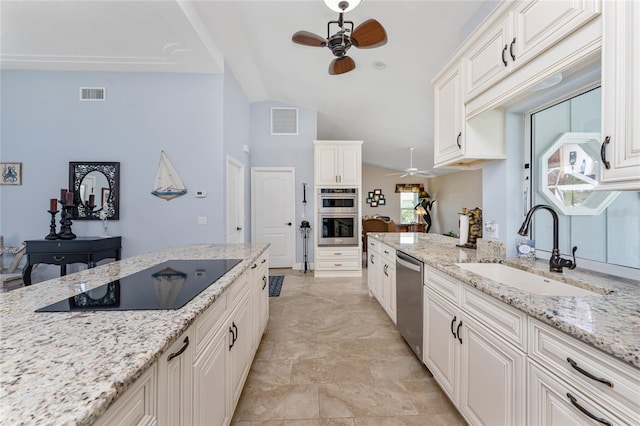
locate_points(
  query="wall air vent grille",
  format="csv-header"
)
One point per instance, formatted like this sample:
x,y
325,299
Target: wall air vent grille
x,y
284,121
93,93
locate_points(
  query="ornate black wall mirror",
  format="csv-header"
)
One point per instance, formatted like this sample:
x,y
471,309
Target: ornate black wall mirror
x,y
96,189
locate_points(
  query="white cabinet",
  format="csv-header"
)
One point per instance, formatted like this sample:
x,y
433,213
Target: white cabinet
x,y
374,271
240,347
482,372
459,143
621,95
174,382
337,261
388,281
260,283
566,363
518,36
137,406
338,163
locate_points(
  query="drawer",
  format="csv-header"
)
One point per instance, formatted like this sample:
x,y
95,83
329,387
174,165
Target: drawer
x,y
507,322
551,348
444,285
209,323
58,258
337,252
338,265
388,253
553,401
236,290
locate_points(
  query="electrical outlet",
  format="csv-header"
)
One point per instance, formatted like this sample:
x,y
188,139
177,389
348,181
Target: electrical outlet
x,y
490,230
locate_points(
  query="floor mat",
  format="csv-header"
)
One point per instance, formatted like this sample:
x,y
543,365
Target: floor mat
x,y
275,285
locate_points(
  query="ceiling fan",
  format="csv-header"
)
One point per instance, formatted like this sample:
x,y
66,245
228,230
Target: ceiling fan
x,y
367,35
412,171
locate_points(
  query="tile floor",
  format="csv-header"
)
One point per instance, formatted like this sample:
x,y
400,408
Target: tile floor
x,y
332,356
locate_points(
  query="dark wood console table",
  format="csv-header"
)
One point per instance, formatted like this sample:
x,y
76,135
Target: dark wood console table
x,y
410,227
87,250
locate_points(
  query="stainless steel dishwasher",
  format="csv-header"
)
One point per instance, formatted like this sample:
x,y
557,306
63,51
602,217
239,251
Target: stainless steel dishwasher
x,y
409,283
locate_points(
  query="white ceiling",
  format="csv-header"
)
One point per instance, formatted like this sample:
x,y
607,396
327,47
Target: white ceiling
x,y
391,110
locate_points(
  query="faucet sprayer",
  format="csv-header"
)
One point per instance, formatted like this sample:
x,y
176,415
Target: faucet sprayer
x,y
556,262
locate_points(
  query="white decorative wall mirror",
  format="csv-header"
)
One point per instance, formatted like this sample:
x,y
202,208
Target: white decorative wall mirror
x,y
570,170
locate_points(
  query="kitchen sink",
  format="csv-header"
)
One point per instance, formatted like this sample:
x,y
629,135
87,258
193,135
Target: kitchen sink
x,y
525,281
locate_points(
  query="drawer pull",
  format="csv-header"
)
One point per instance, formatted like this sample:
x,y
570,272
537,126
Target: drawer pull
x,y
603,153
59,258
453,321
182,349
458,331
586,412
254,266
263,260
589,375
337,254
337,264
386,252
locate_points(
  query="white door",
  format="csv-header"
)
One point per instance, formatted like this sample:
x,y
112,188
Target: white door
x,y
235,201
273,213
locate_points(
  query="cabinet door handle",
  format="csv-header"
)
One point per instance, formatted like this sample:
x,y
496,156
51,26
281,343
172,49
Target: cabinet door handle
x,y
453,321
513,43
586,412
603,152
458,332
385,269
59,258
504,51
233,338
589,375
458,140
371,257
264,261
264,281
254,266
182,349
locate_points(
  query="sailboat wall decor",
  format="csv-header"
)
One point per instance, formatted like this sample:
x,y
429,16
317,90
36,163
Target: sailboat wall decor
x,y
167,184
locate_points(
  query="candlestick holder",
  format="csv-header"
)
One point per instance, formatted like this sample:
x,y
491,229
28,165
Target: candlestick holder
x,y
65,230
52,226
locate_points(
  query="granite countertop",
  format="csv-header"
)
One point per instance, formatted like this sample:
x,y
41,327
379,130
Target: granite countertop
x,y
68,367
608,321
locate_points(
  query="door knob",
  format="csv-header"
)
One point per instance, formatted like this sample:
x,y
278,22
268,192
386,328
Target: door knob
x,y
238,228
288,223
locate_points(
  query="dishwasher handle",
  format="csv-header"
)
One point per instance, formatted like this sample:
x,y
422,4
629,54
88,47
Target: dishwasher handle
x,y
408,262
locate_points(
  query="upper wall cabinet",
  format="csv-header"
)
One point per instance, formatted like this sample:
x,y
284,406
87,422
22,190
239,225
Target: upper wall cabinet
x,y
459,143
338,163
519,36
620,149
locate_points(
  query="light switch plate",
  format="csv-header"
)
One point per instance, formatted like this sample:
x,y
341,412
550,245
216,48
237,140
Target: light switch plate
x,y
202,220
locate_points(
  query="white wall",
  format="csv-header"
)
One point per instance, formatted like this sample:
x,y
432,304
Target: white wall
x,y
376,178
453,192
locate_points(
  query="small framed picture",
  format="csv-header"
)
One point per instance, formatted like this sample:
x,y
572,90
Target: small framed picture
x,y
11,174
374,204
377,191
105,195
381,197
368,200
370,195
382,202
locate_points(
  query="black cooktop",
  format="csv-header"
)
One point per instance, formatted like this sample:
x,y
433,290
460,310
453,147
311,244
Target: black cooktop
x,y
168,285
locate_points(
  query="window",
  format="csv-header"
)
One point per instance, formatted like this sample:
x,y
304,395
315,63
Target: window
x,y
408,202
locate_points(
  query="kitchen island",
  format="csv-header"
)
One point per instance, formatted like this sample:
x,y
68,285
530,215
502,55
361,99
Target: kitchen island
x,y
608,321
69,367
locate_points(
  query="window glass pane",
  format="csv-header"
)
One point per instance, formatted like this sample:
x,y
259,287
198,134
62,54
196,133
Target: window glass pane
x,y
408,201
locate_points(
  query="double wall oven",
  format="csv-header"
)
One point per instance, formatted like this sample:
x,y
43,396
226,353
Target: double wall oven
x,y
338,217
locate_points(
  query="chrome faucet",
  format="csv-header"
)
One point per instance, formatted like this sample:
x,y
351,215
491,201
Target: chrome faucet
x,y
556,262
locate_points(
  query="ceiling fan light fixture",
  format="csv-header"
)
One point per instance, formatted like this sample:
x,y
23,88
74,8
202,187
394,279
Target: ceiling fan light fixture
x,y
342,6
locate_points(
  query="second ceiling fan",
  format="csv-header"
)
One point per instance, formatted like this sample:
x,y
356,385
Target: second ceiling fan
x,y
367,35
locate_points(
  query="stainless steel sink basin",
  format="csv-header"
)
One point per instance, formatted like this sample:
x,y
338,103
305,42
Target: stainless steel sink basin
x,y
525,281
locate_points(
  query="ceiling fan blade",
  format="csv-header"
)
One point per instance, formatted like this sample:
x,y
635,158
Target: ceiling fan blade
x,y
369,34
341,65
308,39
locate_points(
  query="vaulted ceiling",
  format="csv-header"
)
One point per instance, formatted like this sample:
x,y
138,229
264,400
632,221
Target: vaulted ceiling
x,y
391,109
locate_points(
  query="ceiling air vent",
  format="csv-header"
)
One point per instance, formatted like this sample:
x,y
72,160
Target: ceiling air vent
x,y
93,93
284,121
